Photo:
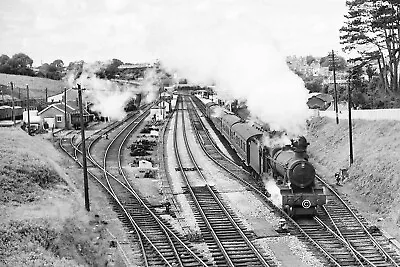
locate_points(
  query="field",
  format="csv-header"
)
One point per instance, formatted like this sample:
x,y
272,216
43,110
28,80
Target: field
x,y
37,86
374,182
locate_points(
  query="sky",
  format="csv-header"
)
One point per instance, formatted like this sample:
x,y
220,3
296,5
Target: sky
x,y
129,29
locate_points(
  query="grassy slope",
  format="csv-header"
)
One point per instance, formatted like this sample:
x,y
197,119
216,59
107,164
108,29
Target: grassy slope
x,y
374,183
42,222
37,85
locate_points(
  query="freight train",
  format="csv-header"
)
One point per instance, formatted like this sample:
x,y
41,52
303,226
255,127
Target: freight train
x,y
289,164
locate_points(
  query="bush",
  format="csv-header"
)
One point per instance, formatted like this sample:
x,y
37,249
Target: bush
x,y
36,243
21,179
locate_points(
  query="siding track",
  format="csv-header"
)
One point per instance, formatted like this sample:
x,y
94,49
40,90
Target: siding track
x,y
228,241
158,243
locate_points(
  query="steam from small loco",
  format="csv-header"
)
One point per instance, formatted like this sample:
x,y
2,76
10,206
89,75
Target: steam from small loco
x,y
109,98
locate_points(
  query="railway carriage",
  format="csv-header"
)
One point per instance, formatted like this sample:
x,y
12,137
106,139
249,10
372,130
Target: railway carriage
x,y
227,121
247,141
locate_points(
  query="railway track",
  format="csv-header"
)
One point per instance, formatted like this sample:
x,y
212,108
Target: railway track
x,y
367,244
159,245
338,233
228,241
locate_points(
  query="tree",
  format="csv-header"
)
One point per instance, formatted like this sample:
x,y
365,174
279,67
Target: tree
x,y
112,69
4,59
314,84
310,59
49,71
76,67
4,64
19,64
372,31
340,62
358,87
58,63
43,70
21,61
370,71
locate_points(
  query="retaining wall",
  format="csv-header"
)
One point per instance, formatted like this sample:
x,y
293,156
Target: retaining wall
x,y
366,114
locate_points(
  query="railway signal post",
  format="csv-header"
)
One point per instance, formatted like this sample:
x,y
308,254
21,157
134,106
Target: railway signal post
x,y
85,177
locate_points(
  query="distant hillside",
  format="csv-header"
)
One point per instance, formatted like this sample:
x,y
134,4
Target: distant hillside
x,y
37,86
374,183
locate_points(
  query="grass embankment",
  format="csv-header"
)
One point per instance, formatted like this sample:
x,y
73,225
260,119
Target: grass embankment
x,y
42,222
37,86
374,181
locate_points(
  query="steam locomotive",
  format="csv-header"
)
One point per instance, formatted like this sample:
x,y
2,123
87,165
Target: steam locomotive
x,y
288,164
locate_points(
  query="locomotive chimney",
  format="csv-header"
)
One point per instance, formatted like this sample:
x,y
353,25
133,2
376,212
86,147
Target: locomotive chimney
x,y
300,147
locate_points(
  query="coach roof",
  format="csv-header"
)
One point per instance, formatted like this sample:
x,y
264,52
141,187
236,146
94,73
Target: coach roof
x,y
230,119
246,131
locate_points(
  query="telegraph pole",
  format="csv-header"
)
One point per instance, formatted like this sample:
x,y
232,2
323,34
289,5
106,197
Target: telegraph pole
x,y
85,177
28,107
350,124
65,108
12,100
334,86
46,95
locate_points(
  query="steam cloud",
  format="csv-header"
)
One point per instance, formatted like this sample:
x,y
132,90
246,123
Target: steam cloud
x,y
274,190
228,42
110,98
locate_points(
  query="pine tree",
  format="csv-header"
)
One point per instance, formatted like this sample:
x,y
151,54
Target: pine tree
x,y
373,29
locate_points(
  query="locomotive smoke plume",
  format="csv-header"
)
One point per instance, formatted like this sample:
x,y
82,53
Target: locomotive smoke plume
x,y
218,112
273,189
109,98
228,42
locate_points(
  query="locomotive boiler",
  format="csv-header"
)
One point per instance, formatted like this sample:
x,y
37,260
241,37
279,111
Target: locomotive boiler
x,y
296,179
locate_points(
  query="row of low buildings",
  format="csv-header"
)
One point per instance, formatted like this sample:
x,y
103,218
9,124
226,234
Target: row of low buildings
x,y
59,113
